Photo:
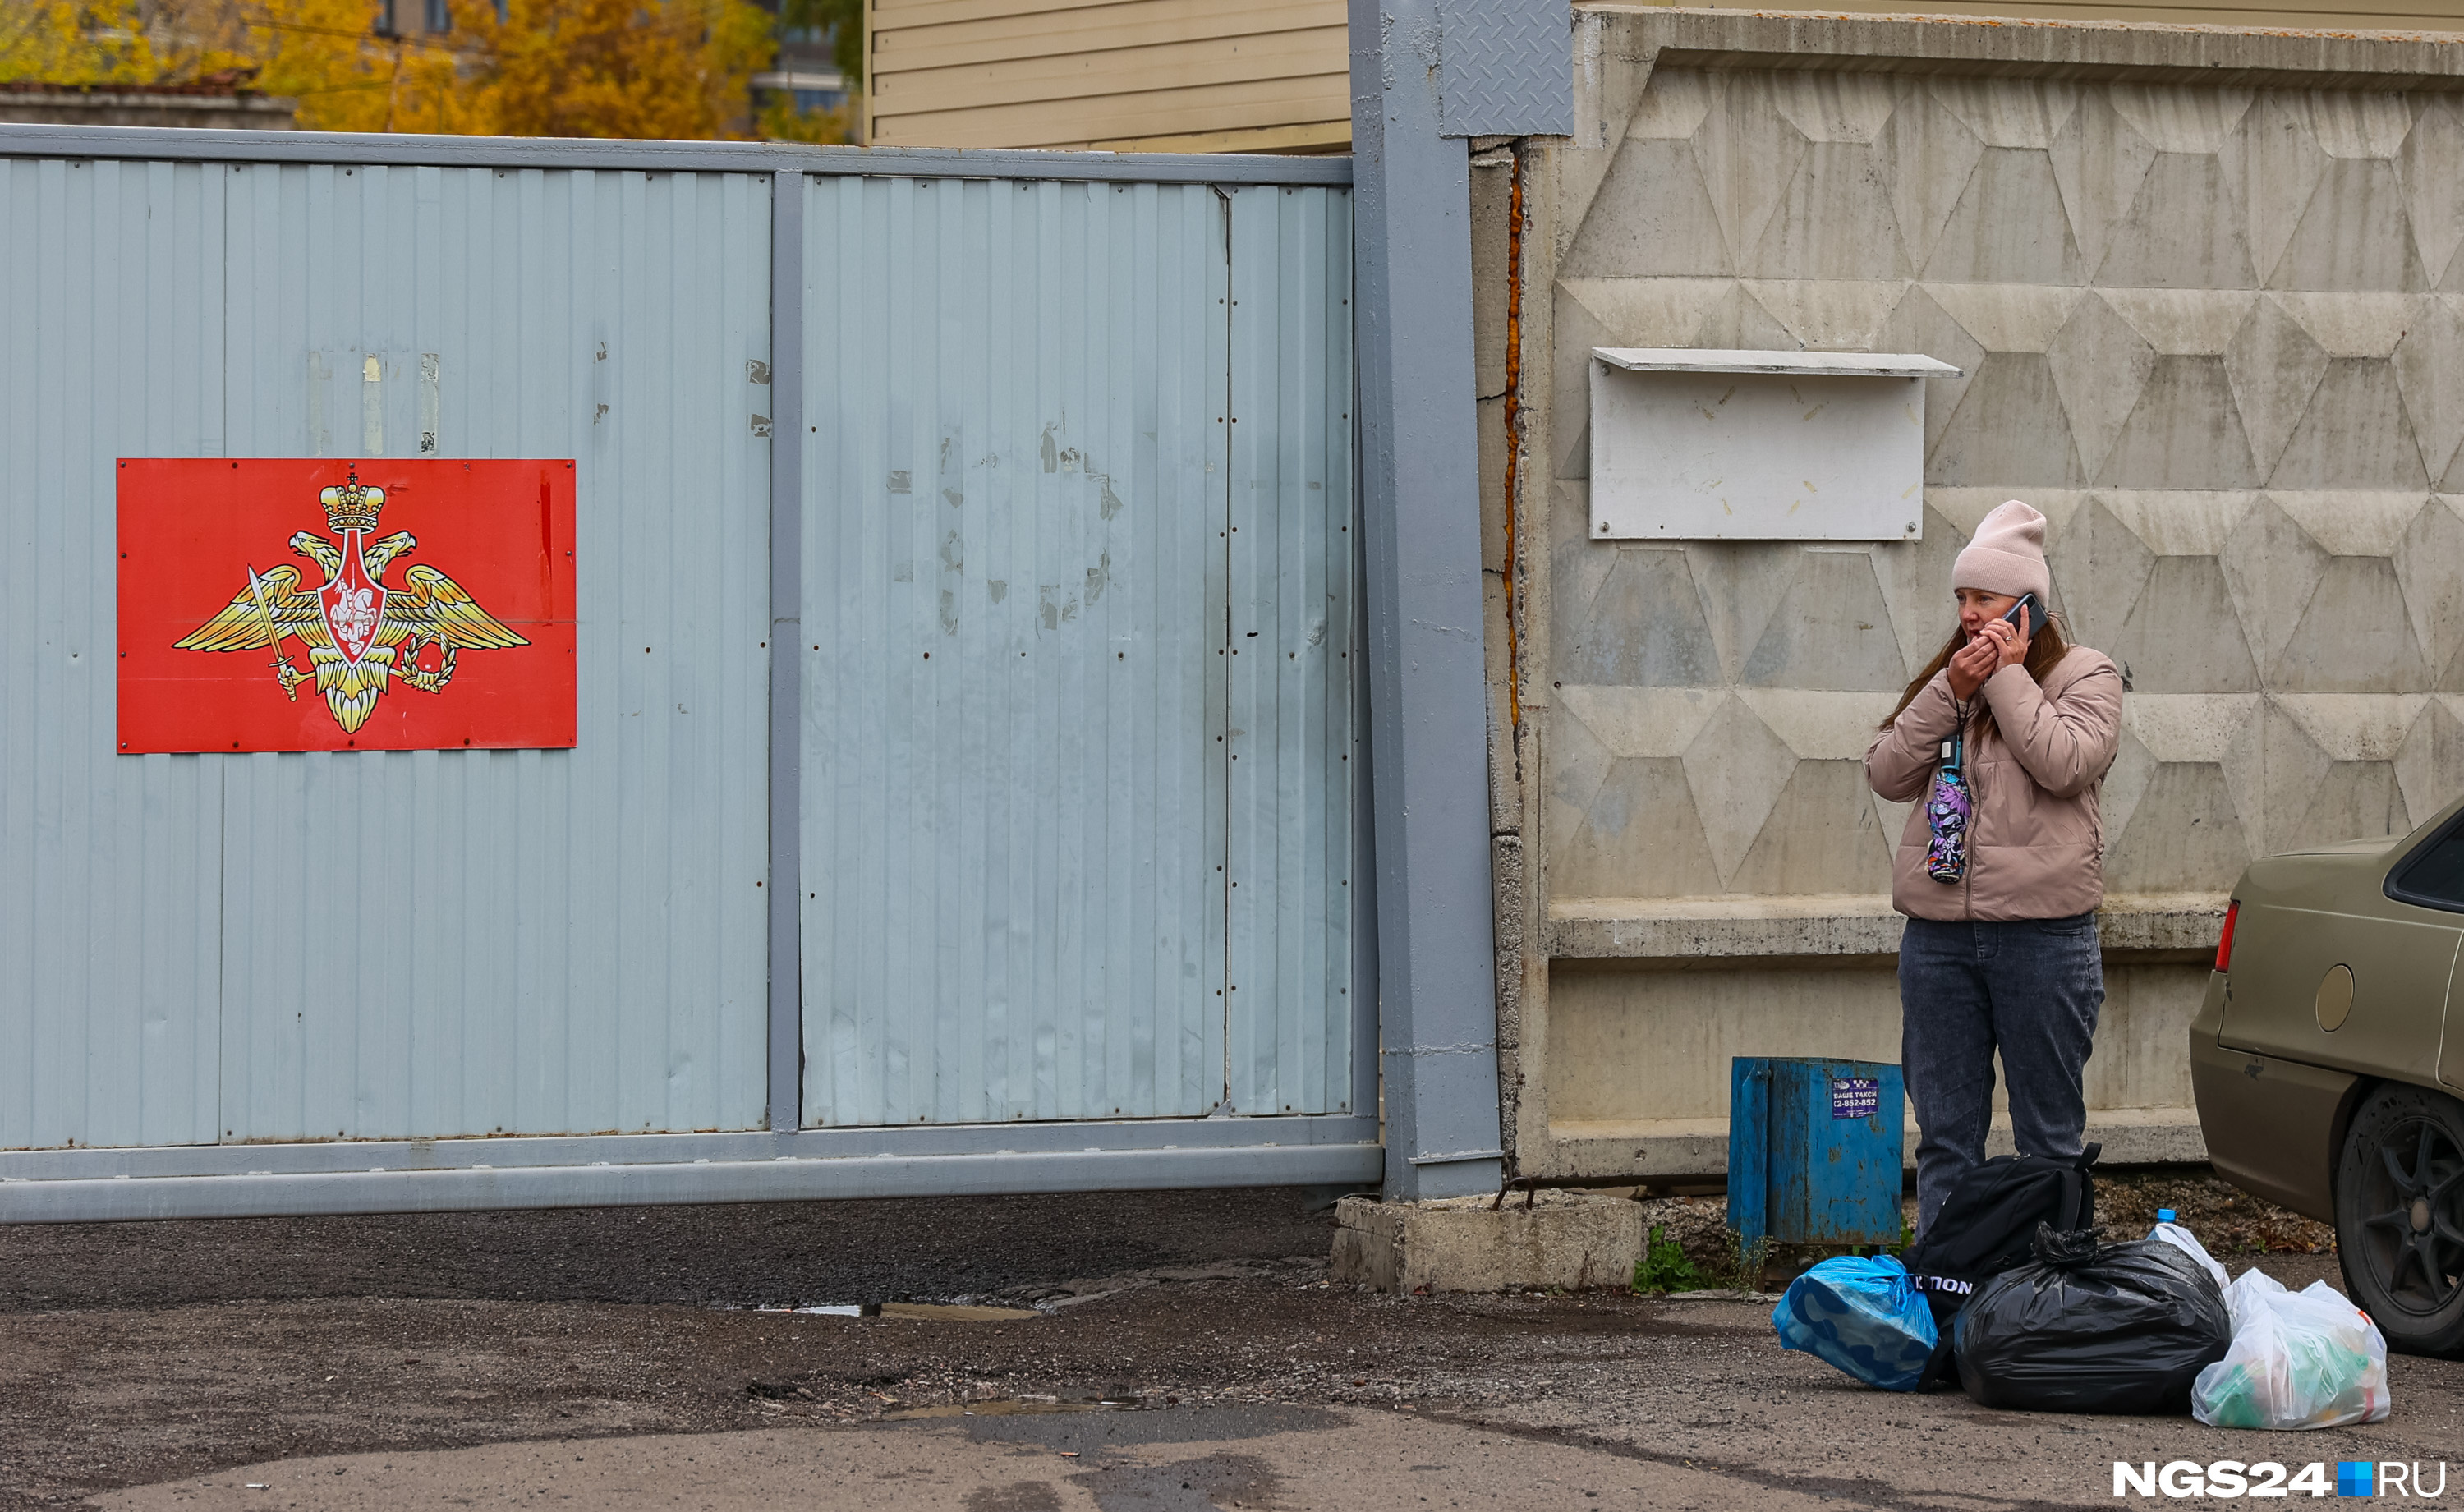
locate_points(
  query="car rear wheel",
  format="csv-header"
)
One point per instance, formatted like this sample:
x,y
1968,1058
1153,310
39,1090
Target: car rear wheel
x,y
2400,1218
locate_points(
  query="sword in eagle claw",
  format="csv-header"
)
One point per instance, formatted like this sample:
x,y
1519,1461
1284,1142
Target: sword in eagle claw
x,y
283,672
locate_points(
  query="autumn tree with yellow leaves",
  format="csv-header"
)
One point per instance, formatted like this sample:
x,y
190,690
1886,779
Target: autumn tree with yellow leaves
x,y
66,42
617,68
564,68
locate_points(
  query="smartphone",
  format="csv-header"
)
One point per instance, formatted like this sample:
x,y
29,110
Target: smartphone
x,y
2027,617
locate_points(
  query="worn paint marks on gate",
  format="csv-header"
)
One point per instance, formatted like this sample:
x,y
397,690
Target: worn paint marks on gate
x,y
1014,595
1029,717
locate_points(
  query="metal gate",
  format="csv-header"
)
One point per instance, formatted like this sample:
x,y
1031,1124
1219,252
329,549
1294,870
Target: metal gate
x,y
965,795
1078,608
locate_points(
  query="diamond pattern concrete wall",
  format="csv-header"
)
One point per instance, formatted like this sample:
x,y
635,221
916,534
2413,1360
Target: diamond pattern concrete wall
x,y
2216,335
2216,332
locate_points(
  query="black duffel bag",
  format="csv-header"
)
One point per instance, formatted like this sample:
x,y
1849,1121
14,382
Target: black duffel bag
x,y
2093,1327
1989,1222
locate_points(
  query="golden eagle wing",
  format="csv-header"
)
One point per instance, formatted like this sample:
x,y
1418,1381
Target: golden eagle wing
x,y
241,627
436,608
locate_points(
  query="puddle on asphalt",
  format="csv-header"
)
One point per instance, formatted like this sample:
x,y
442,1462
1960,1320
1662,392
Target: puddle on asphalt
x,y
955,1312
928,1311
1017,1407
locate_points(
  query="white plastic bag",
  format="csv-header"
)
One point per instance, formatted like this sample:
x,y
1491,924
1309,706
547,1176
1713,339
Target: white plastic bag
x,y
2300,1359
2181,1239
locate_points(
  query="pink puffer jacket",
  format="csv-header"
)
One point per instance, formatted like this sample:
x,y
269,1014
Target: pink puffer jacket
x,y
2036,843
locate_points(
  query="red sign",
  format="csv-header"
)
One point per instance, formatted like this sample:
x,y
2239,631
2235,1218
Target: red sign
x,y
330,605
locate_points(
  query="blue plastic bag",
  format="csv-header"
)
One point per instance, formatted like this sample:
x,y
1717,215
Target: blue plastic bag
x,y
1864,1316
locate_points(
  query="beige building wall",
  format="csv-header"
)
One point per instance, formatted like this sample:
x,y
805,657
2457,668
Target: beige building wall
x,y
1137,75
2213,330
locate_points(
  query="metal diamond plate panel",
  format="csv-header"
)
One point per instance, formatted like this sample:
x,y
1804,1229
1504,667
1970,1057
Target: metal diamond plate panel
x,y
1507,68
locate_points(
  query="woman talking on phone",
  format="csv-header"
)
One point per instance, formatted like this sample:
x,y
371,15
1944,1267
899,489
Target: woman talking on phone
x,y
2005,737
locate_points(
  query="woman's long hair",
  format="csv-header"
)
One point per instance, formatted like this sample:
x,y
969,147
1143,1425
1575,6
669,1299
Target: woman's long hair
x,y
2044,652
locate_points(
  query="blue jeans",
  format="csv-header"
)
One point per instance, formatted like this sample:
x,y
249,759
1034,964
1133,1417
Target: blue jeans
x,y
2029,988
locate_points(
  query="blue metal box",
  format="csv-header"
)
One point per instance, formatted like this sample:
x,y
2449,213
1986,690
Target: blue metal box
x,y
1813,1150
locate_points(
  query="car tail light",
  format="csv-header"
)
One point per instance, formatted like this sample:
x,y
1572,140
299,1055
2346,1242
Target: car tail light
x,y
2223,946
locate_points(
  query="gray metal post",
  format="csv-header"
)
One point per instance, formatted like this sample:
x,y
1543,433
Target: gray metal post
x,y
1428,718
786,667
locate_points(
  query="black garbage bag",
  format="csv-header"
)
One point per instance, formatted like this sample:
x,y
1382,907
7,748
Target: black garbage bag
x,y
2092,1328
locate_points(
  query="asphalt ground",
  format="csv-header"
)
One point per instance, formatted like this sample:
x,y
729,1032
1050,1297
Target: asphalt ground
x,y
1184,1351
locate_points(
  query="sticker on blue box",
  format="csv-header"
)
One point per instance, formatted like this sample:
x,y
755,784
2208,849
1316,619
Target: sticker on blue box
x,y
1855,1096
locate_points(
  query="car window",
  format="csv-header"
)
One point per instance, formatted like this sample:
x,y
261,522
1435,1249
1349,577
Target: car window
x,y
2435,876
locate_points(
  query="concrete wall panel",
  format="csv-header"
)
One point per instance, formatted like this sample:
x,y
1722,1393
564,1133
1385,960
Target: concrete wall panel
x,y
1626,1045
2196,330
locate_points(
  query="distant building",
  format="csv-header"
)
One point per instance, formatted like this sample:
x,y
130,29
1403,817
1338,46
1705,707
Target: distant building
x,y
809,88
414,17
806,73
215,106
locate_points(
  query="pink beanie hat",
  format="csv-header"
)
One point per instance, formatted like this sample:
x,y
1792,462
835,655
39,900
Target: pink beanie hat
x,y
2007,554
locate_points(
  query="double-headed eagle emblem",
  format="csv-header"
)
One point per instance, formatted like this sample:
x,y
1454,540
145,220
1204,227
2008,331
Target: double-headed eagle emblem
x,y
361,634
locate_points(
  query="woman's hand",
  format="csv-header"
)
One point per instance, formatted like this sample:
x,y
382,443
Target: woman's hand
x,y
2009,647
1972,664
1996,645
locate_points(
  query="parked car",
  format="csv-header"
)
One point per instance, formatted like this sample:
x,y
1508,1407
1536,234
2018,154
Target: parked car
x,y
2326,1069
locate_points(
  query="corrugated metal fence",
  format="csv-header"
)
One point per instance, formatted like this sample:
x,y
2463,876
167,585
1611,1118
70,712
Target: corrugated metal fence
x,y
1081,814
1064,625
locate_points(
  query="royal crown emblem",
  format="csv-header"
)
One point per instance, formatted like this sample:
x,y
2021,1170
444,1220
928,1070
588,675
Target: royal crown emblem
x,y
361,635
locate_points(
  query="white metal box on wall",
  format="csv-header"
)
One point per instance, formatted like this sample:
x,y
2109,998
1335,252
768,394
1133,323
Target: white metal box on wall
x,y
1700,445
